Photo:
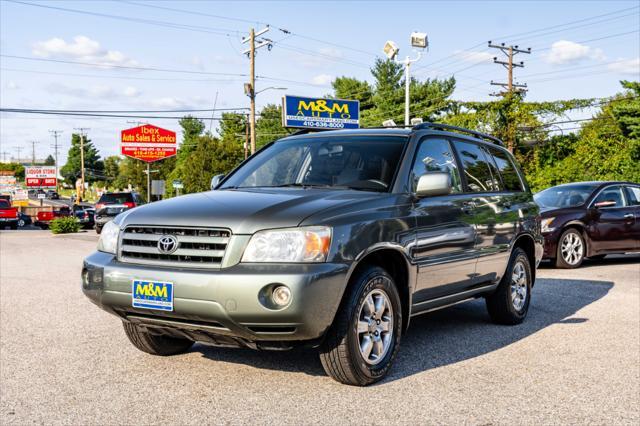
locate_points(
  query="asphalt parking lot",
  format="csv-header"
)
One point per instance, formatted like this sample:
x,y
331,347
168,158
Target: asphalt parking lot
x,y
575,360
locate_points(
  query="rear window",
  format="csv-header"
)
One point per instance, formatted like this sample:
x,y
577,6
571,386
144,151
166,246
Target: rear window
x,y
4,204
510,178
116,198
476,168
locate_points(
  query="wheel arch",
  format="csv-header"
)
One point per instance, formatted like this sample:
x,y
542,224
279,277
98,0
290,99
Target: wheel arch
x,y
527,243
582,228
395,262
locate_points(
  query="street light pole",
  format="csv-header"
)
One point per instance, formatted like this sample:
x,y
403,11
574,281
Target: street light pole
x,y
407,83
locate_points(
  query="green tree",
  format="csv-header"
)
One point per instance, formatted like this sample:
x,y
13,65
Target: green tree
x,y
112,168
16,168
50,161
269,125
92,163
352,88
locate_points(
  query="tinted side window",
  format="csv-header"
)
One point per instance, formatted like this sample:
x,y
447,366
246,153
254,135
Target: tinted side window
x,y
476,168
611,193
435,155
633,195
510,178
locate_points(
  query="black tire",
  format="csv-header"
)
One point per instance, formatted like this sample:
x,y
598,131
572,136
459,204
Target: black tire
x,y
561,263
98,229
155,345
340,351
14,226
501,304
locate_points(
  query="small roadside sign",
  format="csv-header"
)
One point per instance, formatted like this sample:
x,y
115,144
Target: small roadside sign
x,y
42,196
177,184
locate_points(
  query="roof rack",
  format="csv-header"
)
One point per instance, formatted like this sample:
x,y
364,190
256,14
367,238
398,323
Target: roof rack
x,y
439,126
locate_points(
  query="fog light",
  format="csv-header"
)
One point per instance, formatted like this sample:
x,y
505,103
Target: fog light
x,y
281,295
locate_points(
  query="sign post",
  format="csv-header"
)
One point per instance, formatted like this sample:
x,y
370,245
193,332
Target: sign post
x,y
148,143
319,113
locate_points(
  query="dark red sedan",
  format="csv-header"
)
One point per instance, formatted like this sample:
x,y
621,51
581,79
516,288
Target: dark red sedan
x,y
589,220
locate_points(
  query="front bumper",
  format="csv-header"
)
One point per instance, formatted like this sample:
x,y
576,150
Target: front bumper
x,y
550,244
223,304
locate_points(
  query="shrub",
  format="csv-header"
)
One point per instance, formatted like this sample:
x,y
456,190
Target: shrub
x,y
64,225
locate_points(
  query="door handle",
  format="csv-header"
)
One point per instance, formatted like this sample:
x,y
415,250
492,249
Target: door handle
x,y
629,216
467,207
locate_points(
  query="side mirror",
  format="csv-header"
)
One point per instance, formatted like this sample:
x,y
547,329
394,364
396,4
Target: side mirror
x,y
434,183
601,204
215,181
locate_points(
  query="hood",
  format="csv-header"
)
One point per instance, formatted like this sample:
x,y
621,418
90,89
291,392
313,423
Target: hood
x,y
242,211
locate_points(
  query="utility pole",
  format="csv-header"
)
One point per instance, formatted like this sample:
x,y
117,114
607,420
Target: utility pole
x,y
510,86
55,147
83,132
33,152
19,149
246,137
250,88
4,156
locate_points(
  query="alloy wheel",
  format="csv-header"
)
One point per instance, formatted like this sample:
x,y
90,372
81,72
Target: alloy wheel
x,y
572,248
375,326
519,285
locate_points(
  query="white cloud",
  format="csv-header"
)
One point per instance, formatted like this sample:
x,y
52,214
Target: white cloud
x,y
12,85
83,49
322,79
131,92
196,61
566,52
330,51
626,66
474,57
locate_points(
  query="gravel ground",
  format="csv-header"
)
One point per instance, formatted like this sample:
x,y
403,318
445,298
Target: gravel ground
x,y
63,361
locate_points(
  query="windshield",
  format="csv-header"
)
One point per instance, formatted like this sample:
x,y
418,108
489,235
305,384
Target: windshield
x,y
116,198
356,162
564,196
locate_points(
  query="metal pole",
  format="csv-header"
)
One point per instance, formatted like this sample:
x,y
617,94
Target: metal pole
x,y
407,64
82,164
148,182
252,95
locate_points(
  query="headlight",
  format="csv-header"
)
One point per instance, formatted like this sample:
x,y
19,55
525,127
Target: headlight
x,y
310,244
108,241
546,224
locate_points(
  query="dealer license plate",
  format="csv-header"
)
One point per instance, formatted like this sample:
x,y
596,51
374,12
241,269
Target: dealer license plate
x,y
152,295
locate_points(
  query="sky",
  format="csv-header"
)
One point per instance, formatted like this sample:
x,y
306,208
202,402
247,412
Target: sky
x,y
580,49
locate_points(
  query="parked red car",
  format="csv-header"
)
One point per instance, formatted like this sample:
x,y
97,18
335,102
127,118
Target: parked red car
x,y
43,219
8,215
589,220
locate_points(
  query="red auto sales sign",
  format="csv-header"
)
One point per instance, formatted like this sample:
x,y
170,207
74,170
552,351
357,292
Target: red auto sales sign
x,y
148,143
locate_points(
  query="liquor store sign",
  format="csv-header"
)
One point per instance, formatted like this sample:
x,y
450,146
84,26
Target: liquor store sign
x,y
40,176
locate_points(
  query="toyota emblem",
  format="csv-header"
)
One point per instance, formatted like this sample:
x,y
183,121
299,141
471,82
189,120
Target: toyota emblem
x,y
167,244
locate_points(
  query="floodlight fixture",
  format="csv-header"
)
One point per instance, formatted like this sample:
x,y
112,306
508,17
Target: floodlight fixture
x,y
391,49
389,123
419,40
416,120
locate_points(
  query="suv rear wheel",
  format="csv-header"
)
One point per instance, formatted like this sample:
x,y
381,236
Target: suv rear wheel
x,y
510,302
363,341
154,344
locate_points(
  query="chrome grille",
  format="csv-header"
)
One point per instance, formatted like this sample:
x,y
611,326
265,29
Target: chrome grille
x,y
197,247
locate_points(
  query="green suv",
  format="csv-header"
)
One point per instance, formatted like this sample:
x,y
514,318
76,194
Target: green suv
x,y
332,240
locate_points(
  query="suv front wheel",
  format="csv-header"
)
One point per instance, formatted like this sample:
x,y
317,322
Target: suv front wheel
x,y
155,344
363,341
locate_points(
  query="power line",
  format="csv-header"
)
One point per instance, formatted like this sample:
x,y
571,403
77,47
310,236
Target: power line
x,y
79,114
133,111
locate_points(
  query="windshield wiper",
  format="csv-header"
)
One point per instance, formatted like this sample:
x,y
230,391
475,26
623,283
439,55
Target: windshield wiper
x,y
300,185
